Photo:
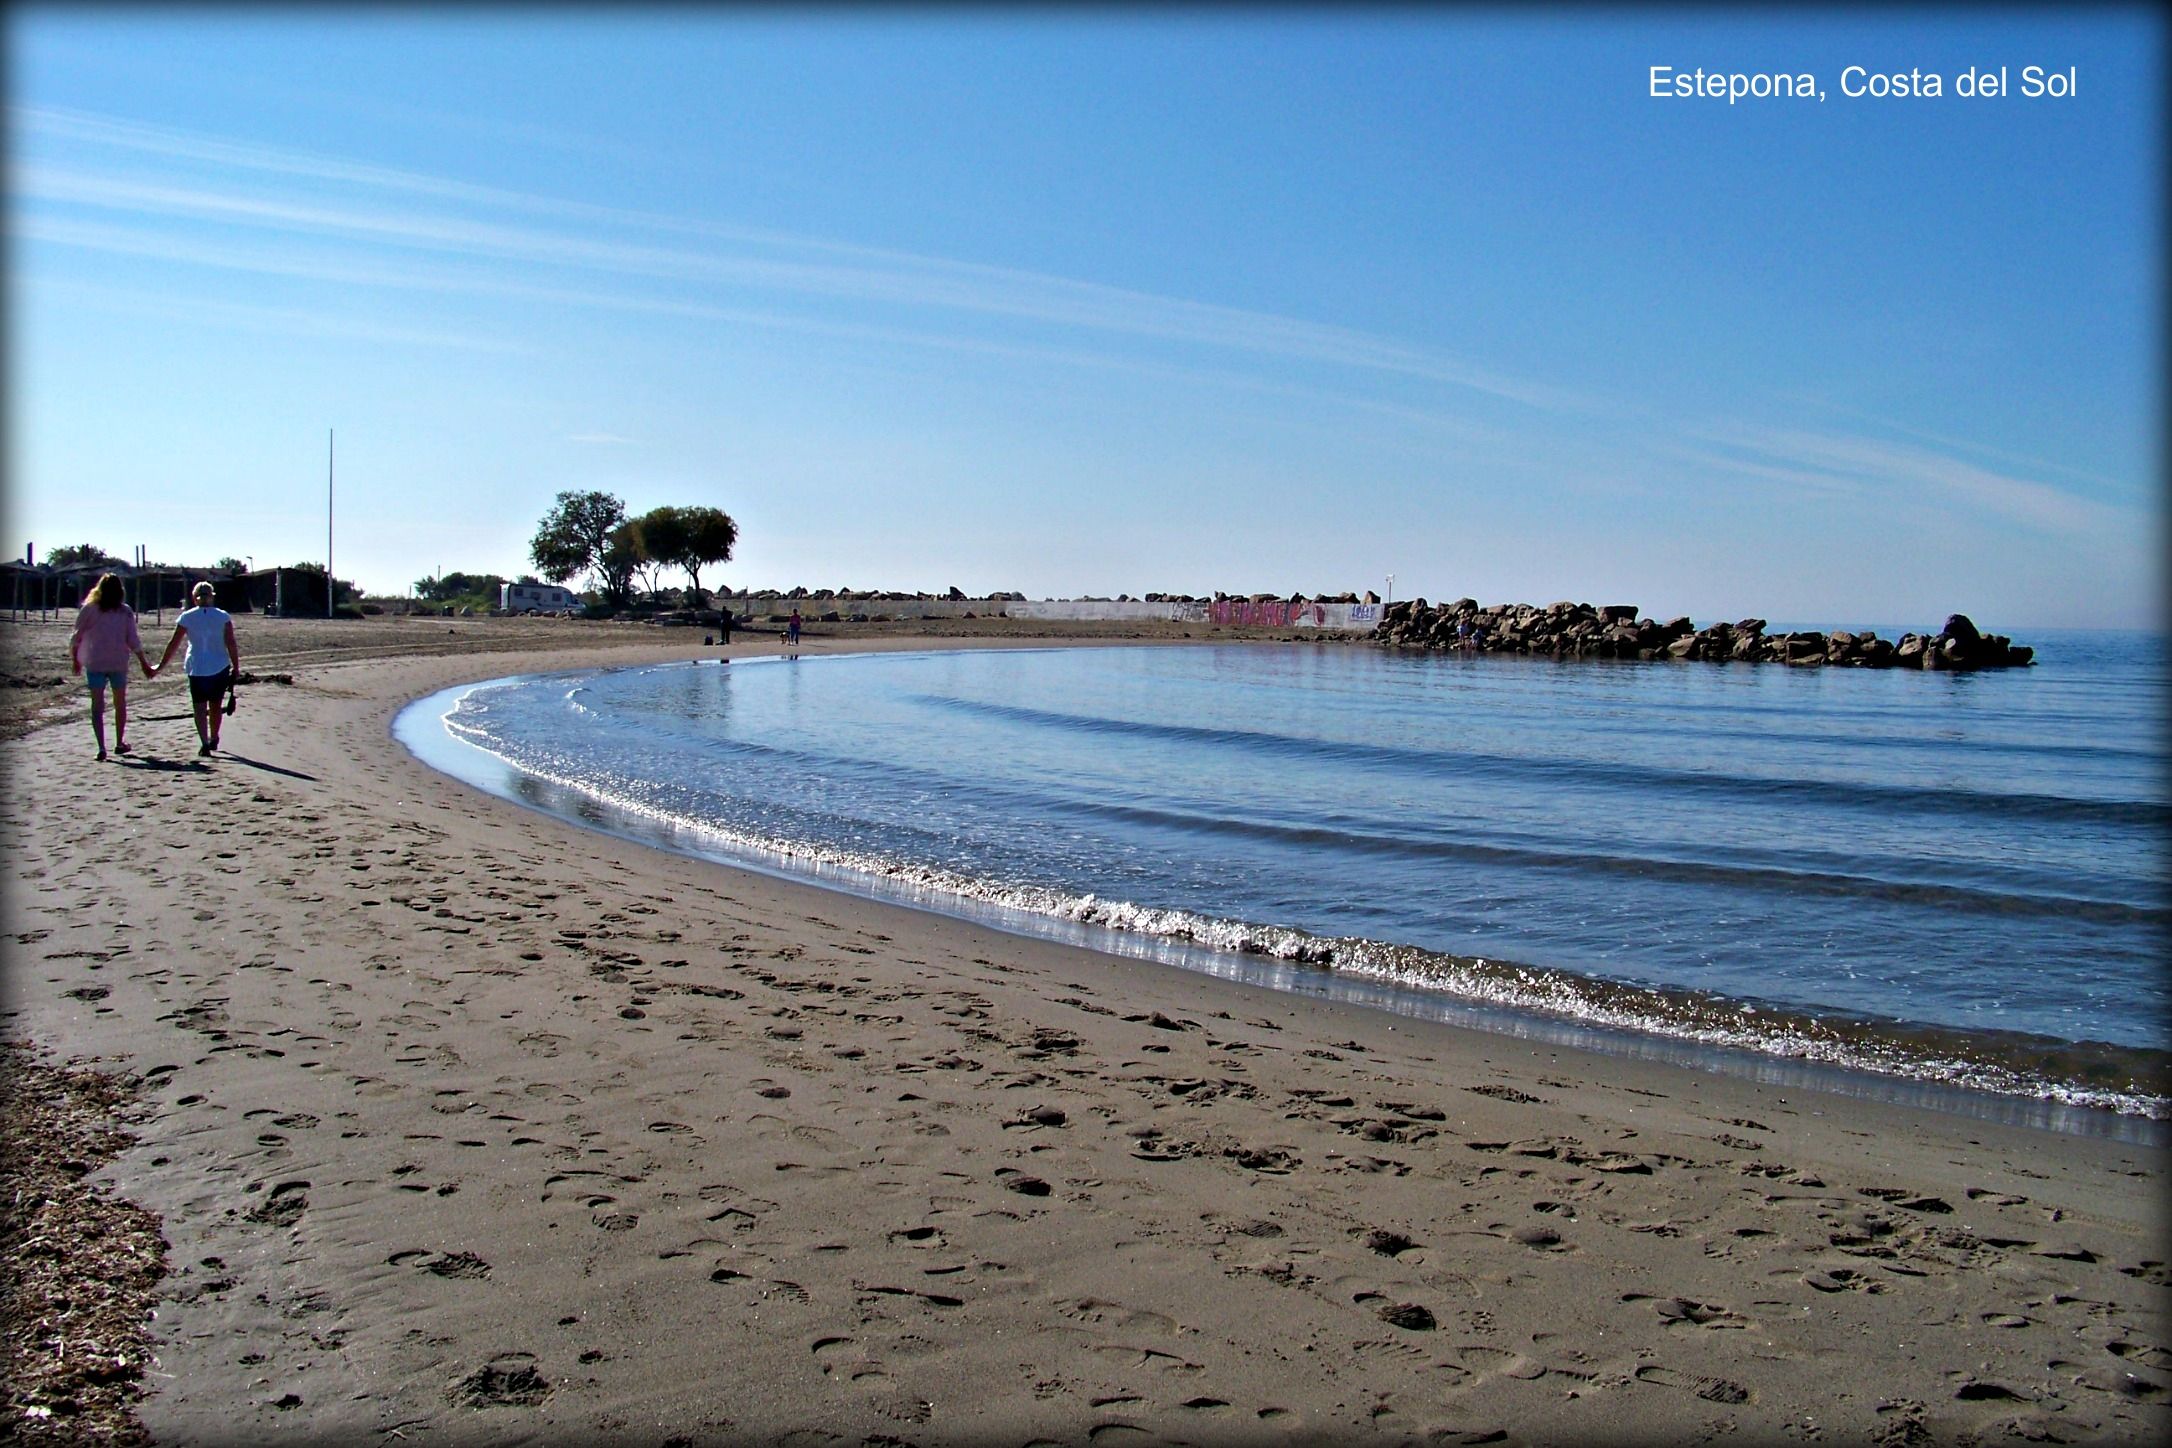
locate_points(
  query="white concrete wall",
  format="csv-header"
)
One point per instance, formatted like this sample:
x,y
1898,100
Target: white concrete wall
x,y
1227,613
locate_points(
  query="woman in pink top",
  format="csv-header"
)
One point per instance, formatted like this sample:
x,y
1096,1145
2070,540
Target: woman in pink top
x,y
105,635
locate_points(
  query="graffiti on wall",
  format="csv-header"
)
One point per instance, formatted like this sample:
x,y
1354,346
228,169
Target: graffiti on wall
x,y
1278,613
1221,613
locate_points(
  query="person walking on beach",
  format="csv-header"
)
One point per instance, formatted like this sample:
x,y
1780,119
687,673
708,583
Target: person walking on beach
x,y
791,629
212,659
105,635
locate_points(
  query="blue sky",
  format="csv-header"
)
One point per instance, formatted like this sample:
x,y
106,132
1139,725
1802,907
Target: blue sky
x,y
1100,301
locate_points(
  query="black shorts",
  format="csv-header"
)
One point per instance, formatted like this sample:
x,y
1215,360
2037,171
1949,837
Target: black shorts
x,y
210,688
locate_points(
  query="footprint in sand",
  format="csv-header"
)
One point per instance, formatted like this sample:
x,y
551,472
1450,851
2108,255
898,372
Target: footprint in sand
x,y
1114,1314
1410,1316
507,1380
1680,1311
1842,1279
1385,1242
841,1357
457,1265
282,1206
932,1299
1711,1389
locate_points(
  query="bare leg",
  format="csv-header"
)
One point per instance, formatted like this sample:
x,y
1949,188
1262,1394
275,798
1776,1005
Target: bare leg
x,y
217,708
203,730
98,719
120,719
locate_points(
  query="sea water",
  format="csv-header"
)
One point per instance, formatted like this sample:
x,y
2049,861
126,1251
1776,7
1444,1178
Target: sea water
x,y
1923,876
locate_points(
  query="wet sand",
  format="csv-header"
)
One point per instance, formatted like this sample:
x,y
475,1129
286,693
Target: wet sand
x,y
465,1123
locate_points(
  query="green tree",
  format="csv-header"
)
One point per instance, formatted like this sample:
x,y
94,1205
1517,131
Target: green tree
x,y
710,537
78,555
621,558
472,589
689,538
344,590
574,536
630,550
230,564
658,537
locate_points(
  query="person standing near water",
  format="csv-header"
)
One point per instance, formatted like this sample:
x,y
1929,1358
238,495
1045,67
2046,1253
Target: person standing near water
x,y
791,628
212,659
105,635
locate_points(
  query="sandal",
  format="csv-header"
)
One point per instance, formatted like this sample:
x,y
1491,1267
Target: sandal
x,y
124,749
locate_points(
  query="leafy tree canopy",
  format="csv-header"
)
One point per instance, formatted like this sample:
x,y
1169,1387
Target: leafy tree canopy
x,y
343,589
574,535
590,532
622,557
447,587
689,538
78,555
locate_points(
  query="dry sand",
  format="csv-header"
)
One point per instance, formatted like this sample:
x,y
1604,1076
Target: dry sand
x,y
465,1124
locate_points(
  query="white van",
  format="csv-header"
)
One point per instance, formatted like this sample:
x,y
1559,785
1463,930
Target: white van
x,y
537,598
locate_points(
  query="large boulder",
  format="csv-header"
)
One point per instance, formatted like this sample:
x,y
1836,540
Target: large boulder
x,y
1567,629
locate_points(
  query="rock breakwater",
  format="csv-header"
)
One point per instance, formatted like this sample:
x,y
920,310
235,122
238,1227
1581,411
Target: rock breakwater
x,y
1614,631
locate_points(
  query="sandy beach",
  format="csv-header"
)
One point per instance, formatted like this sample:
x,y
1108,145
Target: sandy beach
x,y
463,1124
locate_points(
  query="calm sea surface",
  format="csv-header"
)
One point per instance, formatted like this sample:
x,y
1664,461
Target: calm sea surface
x,y
1954,878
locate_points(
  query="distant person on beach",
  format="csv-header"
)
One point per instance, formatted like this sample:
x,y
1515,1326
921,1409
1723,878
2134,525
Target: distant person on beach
x,y
212,659
105,635
724,624
791,629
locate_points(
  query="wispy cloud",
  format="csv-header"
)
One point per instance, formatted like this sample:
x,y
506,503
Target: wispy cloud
x,y
1946,440
211,202
406,273
735,257
1883,469
287,321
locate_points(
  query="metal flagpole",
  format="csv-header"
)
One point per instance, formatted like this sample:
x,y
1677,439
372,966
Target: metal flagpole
x,y
328,522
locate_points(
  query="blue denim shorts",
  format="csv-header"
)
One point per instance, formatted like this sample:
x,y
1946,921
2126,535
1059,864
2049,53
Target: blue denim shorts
x,y
99,679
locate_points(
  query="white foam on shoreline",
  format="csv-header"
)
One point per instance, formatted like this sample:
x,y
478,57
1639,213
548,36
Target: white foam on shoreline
x,y
1702,1021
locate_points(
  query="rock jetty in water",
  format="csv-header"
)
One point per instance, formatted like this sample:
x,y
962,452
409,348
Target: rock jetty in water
x,y
1580,631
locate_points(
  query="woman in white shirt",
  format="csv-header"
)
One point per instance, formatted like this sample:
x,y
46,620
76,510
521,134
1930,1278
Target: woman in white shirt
x,y
213,657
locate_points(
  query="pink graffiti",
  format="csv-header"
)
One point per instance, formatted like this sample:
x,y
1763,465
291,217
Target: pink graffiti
x,y
1244,613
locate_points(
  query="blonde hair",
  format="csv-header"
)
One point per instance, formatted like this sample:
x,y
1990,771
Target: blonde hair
x,y
107,592
203,591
